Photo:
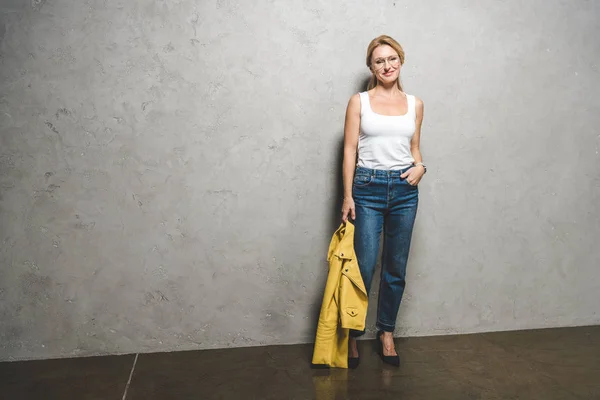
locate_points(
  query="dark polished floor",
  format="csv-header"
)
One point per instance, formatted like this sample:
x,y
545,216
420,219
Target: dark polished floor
x,y
538,364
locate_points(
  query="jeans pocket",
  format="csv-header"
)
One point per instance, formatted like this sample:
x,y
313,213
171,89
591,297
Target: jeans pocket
x,y
362,179
405,182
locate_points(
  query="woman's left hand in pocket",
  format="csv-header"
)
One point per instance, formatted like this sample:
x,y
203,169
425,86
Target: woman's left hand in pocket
x,y
413,175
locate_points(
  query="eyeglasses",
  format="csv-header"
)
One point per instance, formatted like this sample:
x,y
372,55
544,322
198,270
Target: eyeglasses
x,y
379,63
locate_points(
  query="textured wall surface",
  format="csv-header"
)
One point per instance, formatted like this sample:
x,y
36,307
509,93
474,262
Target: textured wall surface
x,y
170,170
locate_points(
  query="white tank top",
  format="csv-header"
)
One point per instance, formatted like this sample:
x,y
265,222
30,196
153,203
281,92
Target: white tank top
x,y
384,140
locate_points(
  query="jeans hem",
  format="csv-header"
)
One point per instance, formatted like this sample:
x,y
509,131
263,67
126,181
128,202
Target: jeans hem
x,y
385,327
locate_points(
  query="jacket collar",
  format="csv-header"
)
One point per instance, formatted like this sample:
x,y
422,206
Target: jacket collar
x,y
342,247
342,244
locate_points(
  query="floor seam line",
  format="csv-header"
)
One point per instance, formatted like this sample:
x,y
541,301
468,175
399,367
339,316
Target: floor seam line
x,y
130,376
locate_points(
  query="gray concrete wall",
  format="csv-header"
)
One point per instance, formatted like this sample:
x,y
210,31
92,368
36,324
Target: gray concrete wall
x,y
170,170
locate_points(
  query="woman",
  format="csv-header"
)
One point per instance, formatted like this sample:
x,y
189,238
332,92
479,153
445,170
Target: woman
x,y
381,170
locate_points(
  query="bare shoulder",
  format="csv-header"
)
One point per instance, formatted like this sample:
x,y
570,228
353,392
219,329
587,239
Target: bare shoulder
x,y
355,99
354,103
419,107
419,103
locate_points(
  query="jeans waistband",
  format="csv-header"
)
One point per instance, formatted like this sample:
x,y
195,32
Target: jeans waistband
x,y
383,172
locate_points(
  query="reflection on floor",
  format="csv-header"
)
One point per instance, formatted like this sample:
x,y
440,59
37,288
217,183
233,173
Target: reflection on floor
x,y
544,364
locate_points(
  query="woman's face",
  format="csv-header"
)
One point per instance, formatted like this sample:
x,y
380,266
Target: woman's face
x,y
385,63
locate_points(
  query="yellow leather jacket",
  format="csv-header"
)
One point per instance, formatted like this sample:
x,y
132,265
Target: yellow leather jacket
x,y
345,301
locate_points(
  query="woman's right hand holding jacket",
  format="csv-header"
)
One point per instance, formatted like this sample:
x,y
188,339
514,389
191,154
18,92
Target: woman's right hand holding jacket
x,y
348,209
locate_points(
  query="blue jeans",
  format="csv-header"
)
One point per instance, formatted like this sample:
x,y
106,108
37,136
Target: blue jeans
x,y
384,202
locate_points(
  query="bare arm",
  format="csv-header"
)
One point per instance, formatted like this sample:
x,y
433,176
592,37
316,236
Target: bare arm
x,y
416,173
351,133
416,139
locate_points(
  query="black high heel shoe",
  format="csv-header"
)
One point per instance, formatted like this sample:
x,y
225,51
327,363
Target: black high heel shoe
x,y
392,360
353,362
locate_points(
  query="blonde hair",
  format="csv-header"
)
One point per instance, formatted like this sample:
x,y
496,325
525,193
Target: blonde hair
x,y
378,41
